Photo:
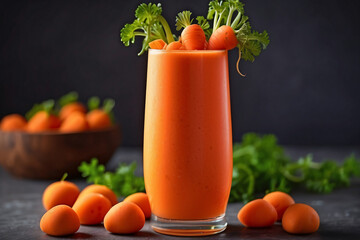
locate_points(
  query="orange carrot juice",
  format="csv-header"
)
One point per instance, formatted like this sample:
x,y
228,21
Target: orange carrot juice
x,y
188,135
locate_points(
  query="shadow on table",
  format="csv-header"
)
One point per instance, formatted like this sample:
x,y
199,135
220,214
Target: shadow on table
x,y
276,232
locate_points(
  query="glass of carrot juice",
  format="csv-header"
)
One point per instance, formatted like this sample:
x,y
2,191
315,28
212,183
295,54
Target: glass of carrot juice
x,y
188,141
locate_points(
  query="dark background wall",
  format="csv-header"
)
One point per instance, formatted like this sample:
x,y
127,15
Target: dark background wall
x,y
305,87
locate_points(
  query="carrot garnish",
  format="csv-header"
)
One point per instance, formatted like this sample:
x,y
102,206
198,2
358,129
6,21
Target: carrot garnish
x,y
193,36
175,46
157,44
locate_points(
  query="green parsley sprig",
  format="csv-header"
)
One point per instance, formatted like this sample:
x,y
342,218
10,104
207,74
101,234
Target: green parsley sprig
x,y
123,181
150,24
260,166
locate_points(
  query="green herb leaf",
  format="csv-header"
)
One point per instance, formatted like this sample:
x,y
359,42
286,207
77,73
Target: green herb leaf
x,y
123,181
150,24
261,166
93,103
47,106
204,24
68,98
108,105
183,19
231,13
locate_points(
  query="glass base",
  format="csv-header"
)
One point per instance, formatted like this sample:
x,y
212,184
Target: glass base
x,y
201,227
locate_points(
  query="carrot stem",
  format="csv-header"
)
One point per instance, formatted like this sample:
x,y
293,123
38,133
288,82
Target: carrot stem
x,y
236,20
228,22
167,29
215,22
64,176
140,33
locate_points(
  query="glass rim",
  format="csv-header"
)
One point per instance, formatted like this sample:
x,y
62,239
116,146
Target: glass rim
x,y
185,51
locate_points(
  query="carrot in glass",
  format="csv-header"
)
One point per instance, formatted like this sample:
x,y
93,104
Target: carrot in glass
x,y
223,38
193,36
175,46
157,44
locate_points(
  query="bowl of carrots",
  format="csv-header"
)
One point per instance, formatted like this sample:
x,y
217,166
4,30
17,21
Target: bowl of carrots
x,y
56,136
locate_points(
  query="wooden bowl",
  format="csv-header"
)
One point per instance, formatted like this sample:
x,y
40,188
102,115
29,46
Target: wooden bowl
x,y
49,155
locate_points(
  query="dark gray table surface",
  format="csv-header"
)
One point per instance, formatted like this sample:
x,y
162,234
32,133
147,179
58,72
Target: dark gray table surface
x,y
21,208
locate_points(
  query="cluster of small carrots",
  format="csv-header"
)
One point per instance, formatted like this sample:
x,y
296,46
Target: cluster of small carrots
x,y
193,38
296,218
68,208
68,115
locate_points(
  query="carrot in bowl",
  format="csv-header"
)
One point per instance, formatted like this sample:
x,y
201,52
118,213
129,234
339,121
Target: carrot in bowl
x,y
75,122
41,117
193,36
66,110
13,122
100,118
42,121
68,104
157,44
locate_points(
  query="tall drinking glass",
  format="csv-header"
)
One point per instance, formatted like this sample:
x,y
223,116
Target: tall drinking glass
x,y
188,141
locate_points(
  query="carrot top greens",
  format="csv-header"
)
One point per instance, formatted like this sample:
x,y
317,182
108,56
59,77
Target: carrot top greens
x,y
183,19
151,25
231,13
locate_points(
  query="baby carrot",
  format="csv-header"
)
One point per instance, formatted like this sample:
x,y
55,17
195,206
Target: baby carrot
x,y
13,122
257,213
75,122
98,119
193,36
66,110
223,38
42,121
280,200
175,46
300,218
60,220
157,44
